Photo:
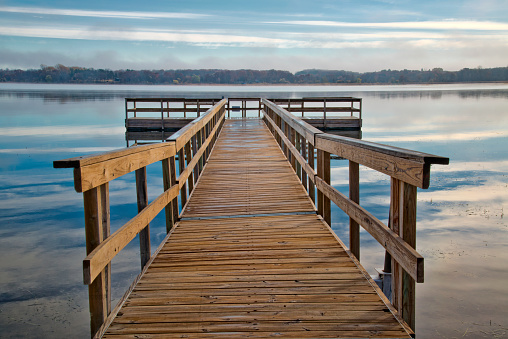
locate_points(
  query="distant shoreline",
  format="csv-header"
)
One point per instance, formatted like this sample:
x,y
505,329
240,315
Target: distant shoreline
x,y
255,85
61,74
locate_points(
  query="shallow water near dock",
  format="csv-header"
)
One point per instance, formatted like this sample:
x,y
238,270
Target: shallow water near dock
x,y
461,232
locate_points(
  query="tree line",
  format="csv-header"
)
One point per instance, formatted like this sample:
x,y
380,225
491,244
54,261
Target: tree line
x,y
80,75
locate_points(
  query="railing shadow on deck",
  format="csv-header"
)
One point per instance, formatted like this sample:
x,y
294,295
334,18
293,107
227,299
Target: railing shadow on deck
x,y
92,175
408,170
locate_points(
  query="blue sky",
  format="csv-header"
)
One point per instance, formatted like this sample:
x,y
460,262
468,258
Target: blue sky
x,y
290,35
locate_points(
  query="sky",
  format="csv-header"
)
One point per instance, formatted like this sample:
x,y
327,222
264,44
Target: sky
x,y
356,35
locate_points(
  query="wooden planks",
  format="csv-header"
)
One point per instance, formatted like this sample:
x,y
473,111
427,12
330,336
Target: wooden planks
x,y
250,258
254,277
247,174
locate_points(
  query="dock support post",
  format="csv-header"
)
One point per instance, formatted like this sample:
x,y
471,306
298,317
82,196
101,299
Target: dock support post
x,y
354,195
142,197
403,222
181,167
96,208
310,161
323,171
292,134
169,178
303,145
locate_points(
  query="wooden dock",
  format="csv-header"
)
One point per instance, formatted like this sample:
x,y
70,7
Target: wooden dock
x,y
250,255
149,119
250,258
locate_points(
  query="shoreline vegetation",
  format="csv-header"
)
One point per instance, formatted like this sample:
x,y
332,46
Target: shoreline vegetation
x,y
60,74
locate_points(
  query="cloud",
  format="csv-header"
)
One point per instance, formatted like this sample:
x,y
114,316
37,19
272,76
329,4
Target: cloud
x,y
200,39
102,14
430,25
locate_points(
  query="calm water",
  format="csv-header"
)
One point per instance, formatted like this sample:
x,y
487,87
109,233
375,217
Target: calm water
x,y
462,231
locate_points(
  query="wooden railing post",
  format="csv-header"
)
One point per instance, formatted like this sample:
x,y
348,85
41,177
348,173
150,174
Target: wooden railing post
x,y
169,178
181,167
303,151
96,208
142,198
292,138
354,195
310,161
403,222
323,171
194,151
188,155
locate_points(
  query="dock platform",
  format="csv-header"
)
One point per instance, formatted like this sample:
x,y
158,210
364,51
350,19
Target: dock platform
x,y
249,252
250,258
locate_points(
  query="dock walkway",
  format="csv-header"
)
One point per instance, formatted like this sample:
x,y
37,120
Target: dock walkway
x,y
250,258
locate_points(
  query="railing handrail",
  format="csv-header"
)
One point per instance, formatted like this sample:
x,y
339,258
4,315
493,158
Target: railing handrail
x,y
183,135
408,169
409,166
96,169
92,175
398,248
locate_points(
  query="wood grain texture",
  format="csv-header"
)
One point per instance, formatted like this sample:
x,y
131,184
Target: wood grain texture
x,y
409,166
87,160
89,176
185,134
298,124
97,229
102,255
401,251
247,174
254,277
251,259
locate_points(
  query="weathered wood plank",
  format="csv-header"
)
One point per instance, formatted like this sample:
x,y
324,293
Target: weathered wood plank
x,y
120,163
298,124
97,228
354,196
105,156
409,166
269,271
410,260
142,200
185,134
102,255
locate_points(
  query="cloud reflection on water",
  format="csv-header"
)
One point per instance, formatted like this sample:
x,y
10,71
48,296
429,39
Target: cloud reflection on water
x,y
462,231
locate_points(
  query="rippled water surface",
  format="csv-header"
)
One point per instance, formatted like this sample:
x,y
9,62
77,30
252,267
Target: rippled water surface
x,y
462,230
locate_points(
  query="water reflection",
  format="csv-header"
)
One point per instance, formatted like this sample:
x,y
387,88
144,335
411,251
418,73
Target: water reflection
x,y
462,230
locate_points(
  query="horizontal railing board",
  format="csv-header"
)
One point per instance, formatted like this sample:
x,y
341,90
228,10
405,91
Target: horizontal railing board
x,y
308,131
306,167
90,159
172,100
328,109
409,166
184,135
196,157
317,99
405,255
102,255
389,150
165,109
90,176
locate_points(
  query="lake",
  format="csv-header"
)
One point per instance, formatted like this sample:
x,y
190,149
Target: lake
x,y
462,231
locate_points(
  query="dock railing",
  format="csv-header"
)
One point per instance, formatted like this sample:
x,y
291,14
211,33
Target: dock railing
x,y
167,107
322,107
92,175
314,107
407,169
